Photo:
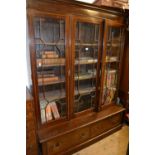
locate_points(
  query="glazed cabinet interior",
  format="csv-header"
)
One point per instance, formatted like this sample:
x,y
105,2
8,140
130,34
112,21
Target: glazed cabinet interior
x,y
111,64
51,66
76,63
85,55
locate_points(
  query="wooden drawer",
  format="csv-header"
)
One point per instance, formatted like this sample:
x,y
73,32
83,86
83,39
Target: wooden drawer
x,y
105,125
30,125
81,135
60,143
68,140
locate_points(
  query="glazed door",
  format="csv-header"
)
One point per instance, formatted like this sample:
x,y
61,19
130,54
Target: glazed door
x,y
86,47
111,66
49,58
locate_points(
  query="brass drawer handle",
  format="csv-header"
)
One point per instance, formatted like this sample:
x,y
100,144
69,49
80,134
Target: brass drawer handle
x,y
83,135
57,144
114,119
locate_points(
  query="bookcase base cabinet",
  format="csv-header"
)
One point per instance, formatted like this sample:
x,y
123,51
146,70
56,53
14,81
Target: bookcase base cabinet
x,y
74,139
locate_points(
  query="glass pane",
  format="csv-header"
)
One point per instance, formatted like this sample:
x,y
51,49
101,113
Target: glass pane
x,y
86,57
50,60
114,48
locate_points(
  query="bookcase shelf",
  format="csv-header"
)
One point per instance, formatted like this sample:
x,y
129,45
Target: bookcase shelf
x,y
86,44
85,61
40,63
112,59
43,82
84,76
84,91
52,95
61,94
113,44
50,44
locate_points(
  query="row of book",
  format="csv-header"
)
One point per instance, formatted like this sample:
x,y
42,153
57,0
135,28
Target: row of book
x,y
110,78
49,58
47,80
108,95
110,82
111,59
49,55
49,112
50,62
87,60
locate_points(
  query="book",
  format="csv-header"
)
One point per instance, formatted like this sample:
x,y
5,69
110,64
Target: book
x,y
43,62
43,116
86,60
111,58
110,78
45,56
49,54
48,113
43,104
108,95
54,110
44,75
48,79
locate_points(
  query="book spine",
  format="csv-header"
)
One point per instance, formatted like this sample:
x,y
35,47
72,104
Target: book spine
x,y
43,104
43,116
44,56
44,75
50,61
55,110
49,52
50,79
48,113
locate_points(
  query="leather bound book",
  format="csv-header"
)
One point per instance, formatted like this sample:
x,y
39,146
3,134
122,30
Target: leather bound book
x,y
54,109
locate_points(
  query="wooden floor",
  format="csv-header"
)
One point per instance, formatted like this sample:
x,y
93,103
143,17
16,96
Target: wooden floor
x,y
115,144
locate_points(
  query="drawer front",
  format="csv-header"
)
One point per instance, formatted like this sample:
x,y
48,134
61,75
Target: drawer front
x,y
64,142
105,125
81,135
60,143
68,140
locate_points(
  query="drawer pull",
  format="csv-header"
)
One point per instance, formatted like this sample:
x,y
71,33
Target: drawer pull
x,y
57,144
82,135
114,119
